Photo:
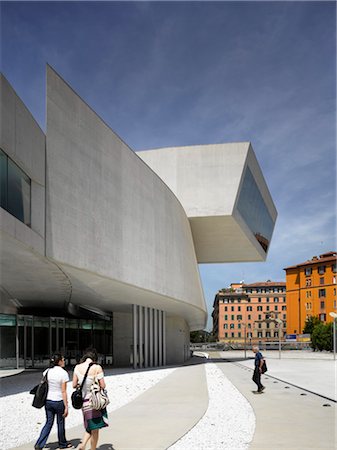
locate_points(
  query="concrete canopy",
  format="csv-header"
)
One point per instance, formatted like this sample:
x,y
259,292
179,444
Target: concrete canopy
x,y
208,181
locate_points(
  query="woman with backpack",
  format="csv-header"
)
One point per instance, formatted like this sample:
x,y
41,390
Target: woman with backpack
x,y
94,419
56,402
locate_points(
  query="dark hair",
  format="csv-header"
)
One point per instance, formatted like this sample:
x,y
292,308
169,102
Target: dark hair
x,y
90,353
55,359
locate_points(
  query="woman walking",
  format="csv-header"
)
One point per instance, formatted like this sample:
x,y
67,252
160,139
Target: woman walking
x,y
56,403
93,419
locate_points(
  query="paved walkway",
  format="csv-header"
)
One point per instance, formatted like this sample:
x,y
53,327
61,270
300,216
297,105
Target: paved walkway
x,y
285,418
155,419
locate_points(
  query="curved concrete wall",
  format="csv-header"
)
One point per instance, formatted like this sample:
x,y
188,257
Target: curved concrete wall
x,y
109,214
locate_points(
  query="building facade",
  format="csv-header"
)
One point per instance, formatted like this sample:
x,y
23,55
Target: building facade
x,y
100,245
311,291
250,313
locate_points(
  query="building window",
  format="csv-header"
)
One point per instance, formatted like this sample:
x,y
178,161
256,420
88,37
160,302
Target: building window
x,y
259,308
239,308
239,326
259,325
239,317
249,308
284,299
308,305
321,280
249,316
225,317
276,299
322,305
232,308
321,270
15,189
225,325
239,334
259,300
267,299
284,308
233,334
333,280
232,317
259,334
321,293
268,325
284,317
260,317
249,325
334,268
322,317
308,282
226,335
231,326
275,333
226,308
267,307
268,334
308,271
334,304
308,294
276,308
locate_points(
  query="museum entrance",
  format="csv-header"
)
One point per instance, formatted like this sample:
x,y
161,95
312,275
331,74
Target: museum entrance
x,y
28,341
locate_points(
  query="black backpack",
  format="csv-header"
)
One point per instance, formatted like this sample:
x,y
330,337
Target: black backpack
x,y
264,367
76,396
40,392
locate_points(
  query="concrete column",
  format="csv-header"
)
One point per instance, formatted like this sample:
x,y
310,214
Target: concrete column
x,y
146,337
160,338
155,337
135,334
151,337
140,335
164,338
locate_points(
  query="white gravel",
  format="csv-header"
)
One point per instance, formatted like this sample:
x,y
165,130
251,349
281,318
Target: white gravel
x,y
21,423
229,421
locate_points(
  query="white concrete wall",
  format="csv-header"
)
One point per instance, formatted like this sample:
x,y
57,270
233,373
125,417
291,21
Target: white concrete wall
x,y
108,213
24,142
122,338
177,340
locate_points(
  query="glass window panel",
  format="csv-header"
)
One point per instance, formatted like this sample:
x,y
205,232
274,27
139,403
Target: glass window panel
x,y
3,179
18,193
254,211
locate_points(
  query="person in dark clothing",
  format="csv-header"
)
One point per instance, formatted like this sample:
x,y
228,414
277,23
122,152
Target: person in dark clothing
x,y
258,369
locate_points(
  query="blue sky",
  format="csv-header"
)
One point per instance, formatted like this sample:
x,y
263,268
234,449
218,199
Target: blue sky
x,y
183,73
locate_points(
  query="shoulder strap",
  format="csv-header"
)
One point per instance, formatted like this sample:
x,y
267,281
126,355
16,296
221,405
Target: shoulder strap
x,y
85,376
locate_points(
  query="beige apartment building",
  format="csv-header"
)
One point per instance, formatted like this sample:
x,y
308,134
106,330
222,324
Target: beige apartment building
x,y
250,312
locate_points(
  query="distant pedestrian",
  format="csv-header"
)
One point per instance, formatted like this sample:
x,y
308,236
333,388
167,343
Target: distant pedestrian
x,y
258,369
56,403
93,419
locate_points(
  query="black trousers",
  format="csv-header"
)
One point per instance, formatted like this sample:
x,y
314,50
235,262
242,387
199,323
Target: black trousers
x,y
257,378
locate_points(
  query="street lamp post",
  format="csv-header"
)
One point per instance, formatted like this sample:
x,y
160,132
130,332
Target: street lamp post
x,y
279,321
245,330
334,316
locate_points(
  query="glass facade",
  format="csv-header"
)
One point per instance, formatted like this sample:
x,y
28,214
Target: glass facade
x,y
28,341
254,211
15,188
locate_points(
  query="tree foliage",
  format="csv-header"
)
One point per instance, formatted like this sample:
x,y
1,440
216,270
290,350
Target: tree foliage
x,y
310,324
322,337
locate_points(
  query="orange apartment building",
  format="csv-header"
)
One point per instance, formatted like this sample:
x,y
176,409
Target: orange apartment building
x,y
311,291
249,311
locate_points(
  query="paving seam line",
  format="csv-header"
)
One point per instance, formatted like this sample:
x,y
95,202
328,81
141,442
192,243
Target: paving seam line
x,y
286,382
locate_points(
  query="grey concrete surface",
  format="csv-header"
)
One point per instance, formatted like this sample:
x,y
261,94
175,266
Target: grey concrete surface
x,y
285,419
155,419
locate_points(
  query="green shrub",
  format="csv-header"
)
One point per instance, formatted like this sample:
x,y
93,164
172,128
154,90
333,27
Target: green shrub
x,y
321,337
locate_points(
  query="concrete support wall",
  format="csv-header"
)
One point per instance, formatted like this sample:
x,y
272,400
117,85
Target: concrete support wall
x,y
177,340
122,338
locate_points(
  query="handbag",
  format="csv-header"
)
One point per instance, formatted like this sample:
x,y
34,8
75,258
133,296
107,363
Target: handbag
x,y
40,392
264,367
98,397
76,396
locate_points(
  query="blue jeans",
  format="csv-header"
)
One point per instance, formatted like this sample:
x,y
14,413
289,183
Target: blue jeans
x,y
53,409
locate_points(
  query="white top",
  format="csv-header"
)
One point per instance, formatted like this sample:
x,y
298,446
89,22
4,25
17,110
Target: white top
x,y
56,376
89,380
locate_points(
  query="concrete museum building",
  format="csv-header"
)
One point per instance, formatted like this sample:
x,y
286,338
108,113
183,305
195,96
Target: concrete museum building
x,y
100,245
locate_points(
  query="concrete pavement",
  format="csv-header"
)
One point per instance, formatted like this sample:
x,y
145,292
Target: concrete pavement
x,y
287,417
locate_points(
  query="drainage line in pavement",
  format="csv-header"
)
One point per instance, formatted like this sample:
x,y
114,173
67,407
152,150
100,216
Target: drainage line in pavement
x,y
286,382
